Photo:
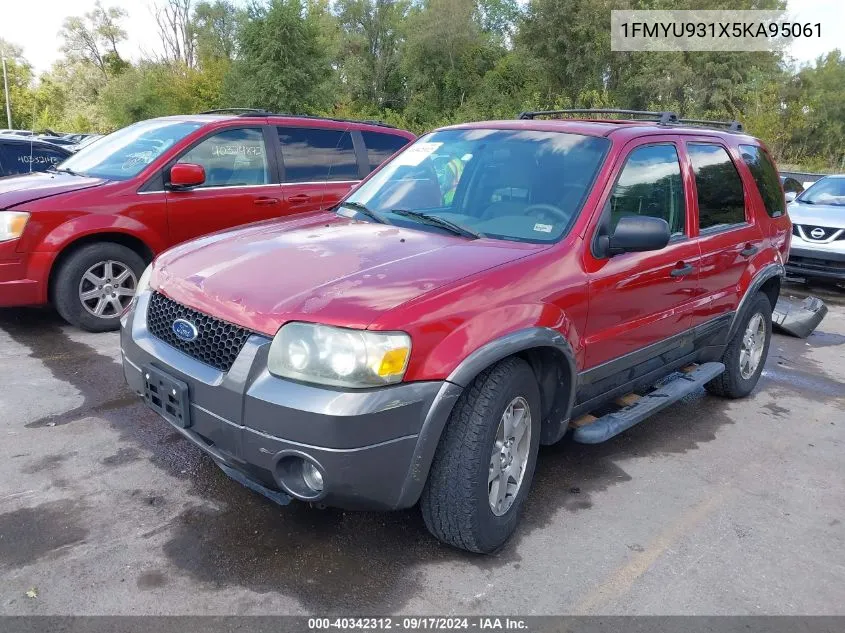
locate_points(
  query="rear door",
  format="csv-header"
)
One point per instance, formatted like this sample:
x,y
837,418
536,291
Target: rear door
x,y
319,166
241,184
727,234
641,303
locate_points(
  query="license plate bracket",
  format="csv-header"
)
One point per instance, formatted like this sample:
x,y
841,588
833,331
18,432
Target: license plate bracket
x,y
167,396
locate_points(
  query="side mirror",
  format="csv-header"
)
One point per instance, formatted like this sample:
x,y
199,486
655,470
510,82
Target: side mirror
x,y
638,233
184,176
790,196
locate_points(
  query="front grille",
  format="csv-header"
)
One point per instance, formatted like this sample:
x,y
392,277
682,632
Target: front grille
x,y
811,263
822,232
217,343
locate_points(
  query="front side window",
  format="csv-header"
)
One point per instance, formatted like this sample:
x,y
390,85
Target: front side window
x,y
766,177
504,184
650,184
825,191
721,198
124,154
317,154
232,158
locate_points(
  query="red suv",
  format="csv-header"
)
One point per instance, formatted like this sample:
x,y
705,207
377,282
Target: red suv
x,y
488,289
80,235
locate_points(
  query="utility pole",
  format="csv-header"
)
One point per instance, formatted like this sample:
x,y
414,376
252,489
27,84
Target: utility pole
x,y
6,92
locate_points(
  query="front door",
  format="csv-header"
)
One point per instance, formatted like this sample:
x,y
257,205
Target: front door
x,y
240,185
640,303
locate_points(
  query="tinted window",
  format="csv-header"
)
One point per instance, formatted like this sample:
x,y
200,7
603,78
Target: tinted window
x,y
650,184
317,155
21,158
766,177
124,154
233,158
513,185
721,201
380,147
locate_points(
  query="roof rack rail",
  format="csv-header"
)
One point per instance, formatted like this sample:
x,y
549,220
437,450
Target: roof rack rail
x,y
260,112
663,118
238,111
730,126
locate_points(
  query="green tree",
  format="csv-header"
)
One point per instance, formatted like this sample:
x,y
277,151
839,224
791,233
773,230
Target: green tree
x,y
281,65
94,37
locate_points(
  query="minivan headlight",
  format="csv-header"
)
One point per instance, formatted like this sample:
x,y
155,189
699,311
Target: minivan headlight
x,y
339,356
12,224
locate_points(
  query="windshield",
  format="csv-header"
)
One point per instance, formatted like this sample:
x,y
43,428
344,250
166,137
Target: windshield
x,y
504,184
123,154
825,191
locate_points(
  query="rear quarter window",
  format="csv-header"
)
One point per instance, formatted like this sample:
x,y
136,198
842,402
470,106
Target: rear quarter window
x,y
766,177
380,147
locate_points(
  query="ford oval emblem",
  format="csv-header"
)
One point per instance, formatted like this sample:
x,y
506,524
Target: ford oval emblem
x,y
185,330
817,233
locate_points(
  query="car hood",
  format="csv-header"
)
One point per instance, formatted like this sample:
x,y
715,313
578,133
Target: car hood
x,y
15,190
323,268
826,215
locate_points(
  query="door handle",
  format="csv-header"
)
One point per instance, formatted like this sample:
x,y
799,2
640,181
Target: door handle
x,y
749,250
300,197
682,269
265,202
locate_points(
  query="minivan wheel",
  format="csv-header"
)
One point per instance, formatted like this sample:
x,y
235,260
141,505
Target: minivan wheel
x,y
746,352
95,284
484,464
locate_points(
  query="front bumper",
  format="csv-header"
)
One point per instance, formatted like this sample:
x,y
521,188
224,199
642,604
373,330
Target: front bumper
x,y
374,447
816,261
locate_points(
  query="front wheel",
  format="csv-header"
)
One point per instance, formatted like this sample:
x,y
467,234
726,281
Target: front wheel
x,y
746,352
95,284
484,464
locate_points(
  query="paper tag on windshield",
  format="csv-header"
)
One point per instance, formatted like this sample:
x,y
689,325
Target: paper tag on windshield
x,y
543,228
416,154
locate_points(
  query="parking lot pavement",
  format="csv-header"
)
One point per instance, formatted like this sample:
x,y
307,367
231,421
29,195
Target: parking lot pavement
x,y
712,507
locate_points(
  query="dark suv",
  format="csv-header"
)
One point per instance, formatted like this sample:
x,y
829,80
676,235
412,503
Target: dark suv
x,y
80,235
24,155
490,288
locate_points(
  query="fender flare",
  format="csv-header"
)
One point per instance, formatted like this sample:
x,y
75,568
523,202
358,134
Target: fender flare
x,y
767,272
554,427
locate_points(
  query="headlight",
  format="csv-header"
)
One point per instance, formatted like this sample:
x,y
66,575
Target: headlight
x,y
338,356
12,224
144,280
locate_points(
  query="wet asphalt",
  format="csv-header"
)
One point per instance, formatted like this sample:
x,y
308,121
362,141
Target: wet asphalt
x,y
712,507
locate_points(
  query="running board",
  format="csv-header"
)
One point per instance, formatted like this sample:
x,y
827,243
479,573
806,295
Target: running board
x,y
636,409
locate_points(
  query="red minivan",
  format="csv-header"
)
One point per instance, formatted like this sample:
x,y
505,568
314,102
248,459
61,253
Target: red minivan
x,y
80,235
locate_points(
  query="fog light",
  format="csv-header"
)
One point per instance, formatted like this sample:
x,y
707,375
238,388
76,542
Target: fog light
x,y
312,477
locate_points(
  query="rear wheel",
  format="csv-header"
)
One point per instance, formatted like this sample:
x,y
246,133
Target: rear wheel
x,y
746,352
484,464
95,284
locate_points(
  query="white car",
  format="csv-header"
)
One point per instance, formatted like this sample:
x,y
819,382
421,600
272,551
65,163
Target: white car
x,y
818,230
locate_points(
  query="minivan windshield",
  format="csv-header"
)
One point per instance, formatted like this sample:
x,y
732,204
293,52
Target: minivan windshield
x,y
522,185
825,191
123,154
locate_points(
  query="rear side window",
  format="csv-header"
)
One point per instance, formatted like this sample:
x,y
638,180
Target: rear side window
x,y
650,184
380,147
317,155
721,198
21,158
766,177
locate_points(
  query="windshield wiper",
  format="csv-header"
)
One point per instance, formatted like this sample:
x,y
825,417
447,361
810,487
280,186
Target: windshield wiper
x,y
365,210
64,170
435,220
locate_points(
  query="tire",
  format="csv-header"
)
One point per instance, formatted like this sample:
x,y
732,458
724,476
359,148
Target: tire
x,y
68,284
732,383
455,502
